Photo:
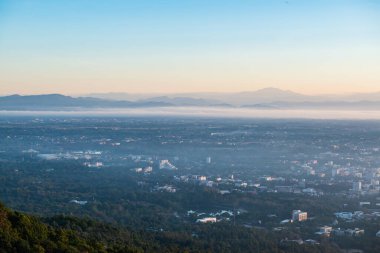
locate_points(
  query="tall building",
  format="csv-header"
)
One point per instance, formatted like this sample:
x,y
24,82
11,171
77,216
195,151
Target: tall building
x,y
357,186
208,160
335,172
298,215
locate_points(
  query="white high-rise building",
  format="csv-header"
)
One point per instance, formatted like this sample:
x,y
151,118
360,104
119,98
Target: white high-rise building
x,y
357,186
335,172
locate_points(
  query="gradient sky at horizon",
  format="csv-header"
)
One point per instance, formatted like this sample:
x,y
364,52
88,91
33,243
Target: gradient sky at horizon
x,y
87,46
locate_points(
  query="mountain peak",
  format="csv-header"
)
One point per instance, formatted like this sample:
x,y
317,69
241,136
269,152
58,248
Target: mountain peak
x,y
272,90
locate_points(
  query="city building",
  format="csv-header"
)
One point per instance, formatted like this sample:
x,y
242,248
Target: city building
x,y
165,164
207,220
298,215
357,186
325,229
202,178
148,169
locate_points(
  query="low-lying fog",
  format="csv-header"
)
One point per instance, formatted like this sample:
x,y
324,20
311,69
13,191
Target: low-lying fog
x,y
206,112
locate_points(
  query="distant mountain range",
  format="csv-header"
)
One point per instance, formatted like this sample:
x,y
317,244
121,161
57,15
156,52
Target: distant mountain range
x,y
266,95
61,102
269,98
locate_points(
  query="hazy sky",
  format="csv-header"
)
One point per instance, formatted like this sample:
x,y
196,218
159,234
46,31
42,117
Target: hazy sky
x,y
85,46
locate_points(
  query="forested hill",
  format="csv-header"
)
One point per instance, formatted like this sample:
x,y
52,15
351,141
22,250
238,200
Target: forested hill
x,y
24,233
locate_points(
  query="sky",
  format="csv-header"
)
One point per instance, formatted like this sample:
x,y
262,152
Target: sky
x,y
155,46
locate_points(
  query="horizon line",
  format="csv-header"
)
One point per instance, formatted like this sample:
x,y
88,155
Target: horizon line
x,y
190,92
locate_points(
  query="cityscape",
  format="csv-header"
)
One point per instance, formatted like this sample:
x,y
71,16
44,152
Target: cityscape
x,y
322,189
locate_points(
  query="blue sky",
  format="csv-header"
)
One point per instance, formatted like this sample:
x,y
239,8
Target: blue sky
x,y
189,45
